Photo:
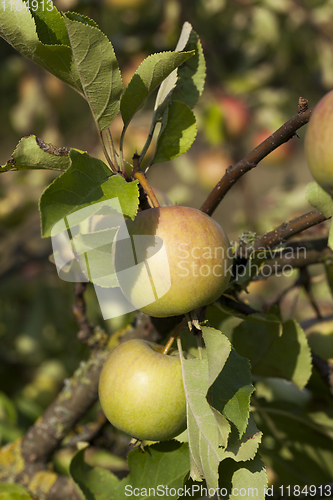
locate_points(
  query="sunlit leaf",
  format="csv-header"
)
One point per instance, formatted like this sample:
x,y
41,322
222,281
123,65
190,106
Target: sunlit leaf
x,y
192,74
149,75
161,468
204,429
9,491
177,134
98,263
50,25
243,478
32,153
275,349
86,183
18,28
246,448
185,84
94,483
231,391
97,67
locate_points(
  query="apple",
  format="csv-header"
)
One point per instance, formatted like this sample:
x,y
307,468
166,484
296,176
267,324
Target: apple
x,y
141,391
171,260
235,114
211,167
319,144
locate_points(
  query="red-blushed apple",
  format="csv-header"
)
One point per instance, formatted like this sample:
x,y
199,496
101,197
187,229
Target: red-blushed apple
x,y
211,167
319,144
141,391
171,260
236,115
280,154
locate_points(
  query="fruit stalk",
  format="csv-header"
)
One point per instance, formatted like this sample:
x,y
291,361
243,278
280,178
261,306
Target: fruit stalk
x,y
174,336
147,189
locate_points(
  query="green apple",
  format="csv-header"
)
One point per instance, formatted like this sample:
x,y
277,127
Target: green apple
x,y
171,260
318,143
141,391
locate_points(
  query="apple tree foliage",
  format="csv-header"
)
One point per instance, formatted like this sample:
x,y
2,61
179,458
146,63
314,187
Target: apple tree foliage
x,y
222,448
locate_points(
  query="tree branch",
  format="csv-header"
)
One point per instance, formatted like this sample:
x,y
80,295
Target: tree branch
x,y
288,229
300,253
233,173
26,460
79,310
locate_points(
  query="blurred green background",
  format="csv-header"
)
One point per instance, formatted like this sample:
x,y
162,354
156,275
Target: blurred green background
x,y
261,57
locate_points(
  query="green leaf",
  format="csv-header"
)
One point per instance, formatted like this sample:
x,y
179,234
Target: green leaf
x,y
218,349
149,75
275,349
187,83
32,153
98,263
157,468
203,434
50,25
85,184
74,16
168,85
246,448
205,431
192,74
9,491
7,409
94,483
97,67
231,391
245,480
271,315
319,198
297,446
177,134
17,27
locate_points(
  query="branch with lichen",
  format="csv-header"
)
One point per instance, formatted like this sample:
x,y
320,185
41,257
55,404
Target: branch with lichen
x,y
26,461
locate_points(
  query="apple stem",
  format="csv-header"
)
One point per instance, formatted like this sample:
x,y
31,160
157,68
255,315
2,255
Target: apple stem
x,y
147,189
173,337
192,320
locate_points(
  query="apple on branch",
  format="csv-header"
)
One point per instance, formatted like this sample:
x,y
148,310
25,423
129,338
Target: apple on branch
x,y
141,391
319,144
172,260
